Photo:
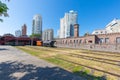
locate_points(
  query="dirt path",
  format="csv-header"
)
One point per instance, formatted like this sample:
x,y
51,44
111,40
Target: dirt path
x,y
18,65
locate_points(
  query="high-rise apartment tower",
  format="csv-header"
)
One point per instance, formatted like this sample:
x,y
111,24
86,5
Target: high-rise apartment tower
x,y
37,24
67,24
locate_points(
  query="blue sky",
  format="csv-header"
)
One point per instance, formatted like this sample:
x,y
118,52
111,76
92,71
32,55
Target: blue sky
x,y
92,14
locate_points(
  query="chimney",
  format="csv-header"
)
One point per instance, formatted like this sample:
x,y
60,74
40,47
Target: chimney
x,y
76,30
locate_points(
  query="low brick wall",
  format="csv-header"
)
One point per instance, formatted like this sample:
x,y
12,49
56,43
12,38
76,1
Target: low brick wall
x,y
98,47
106,47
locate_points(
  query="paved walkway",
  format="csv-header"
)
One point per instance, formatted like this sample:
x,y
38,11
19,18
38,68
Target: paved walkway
x,y
18,65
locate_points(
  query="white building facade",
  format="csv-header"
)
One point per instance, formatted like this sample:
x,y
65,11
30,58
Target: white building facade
x,y
58,33
67,24
18,33
62,28
37,24
47,35
99,31
112,27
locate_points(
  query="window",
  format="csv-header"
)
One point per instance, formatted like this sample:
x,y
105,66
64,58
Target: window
x,y
66,42
101,40
96,32
118,40
111,28
90,41
106,40
80,41
76,41
85,41
63,41
105,32
113,24
70,41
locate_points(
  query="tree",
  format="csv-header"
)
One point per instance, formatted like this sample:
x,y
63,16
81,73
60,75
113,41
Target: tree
x,y
35,35
3,10
87,34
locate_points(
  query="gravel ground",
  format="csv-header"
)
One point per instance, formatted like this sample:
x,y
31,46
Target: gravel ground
x,y
18,65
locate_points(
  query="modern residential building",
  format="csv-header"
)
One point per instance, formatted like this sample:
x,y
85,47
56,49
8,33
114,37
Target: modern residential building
x,y
99,31
67,24
112,27
62,28
18,33
24,30
58,33
47,35
37,24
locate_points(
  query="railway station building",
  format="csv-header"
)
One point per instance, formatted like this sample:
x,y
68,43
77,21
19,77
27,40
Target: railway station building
x,y
9,39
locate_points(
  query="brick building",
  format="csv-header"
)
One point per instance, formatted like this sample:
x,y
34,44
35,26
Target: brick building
x,y
76,30
24,30
102,42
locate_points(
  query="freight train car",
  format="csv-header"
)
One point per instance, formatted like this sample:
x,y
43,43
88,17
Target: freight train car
x,y
48,43
39,43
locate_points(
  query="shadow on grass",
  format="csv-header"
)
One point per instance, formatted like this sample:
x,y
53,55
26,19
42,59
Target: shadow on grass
x,y
20,71
88,76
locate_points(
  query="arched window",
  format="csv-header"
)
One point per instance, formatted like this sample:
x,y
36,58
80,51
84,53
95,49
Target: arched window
x,y
74,41
80,41
66,42
63,41
85,41
70,41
